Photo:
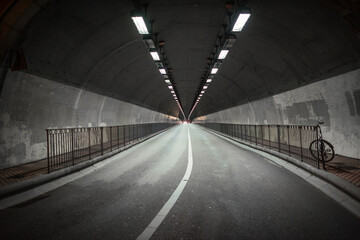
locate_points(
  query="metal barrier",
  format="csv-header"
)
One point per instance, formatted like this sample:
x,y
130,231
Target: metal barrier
x,y
69,146
293,140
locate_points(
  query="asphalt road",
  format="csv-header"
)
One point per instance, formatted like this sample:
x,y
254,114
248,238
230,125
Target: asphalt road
x,y
232,193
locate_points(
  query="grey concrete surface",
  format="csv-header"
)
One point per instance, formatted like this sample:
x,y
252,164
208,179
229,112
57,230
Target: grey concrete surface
x,y
30,104
333,101
94,45
231,193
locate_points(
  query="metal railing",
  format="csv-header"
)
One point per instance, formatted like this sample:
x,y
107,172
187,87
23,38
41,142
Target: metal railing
x,y
293,140
69,146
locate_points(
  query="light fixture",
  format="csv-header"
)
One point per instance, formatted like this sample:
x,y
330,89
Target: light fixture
x,y
205,87
167,81
174,95
209,80
138,18
241,20
170,87
229,41
214,70
149,42
155,55
223,54
200,95
172,91
162,70
202,92
159,64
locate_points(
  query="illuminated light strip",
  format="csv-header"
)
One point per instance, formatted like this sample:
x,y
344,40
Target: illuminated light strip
x,y
240,22
155,56
223,54
214,70
140,25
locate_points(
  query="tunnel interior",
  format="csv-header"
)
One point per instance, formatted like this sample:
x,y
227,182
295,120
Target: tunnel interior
x,y
84,63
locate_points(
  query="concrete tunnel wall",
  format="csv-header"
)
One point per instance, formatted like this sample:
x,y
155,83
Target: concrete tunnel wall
x,y
30,104
336,101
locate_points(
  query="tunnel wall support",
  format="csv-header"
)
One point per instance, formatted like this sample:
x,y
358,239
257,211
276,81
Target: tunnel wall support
x,y
336,101
30,104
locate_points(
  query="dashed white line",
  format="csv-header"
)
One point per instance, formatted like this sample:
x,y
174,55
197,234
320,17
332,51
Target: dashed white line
x,y
155,223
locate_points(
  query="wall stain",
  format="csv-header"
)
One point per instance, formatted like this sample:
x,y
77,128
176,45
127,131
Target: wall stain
x,y
350,103
356,94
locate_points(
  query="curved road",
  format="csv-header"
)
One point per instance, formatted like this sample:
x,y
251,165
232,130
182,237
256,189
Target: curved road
x,y
231,193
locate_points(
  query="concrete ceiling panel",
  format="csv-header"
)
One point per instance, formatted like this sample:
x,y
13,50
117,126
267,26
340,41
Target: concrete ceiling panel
x,y
94,45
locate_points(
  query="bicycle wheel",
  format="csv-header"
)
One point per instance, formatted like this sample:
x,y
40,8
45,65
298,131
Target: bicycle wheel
x,y
327,149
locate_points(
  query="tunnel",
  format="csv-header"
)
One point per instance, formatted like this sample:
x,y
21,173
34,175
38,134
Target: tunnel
x,y
150,119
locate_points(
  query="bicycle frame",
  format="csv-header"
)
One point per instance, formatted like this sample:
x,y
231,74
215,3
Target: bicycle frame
x,y
321,150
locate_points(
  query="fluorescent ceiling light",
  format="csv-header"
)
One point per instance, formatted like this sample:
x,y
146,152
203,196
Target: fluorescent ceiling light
x,y
174,95
205,87
223,54
162,70
241,21
167,81
209,80
202,92
170,87
172,91
155,55
140,24
214,70
200,95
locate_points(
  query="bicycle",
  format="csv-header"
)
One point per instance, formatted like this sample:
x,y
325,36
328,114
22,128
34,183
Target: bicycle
x,y
321,149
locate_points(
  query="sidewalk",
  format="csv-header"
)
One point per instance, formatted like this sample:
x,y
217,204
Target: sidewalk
x,y
343,167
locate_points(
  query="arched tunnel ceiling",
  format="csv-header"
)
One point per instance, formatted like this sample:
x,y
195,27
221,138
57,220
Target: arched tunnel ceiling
x,y
94,45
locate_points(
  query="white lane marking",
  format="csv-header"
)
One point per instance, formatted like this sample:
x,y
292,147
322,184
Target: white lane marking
x,y
155,223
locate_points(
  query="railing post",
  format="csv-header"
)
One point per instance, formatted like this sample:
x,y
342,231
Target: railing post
x,y
301,150
278,133
262,135
124,136
137,132
118,136
110,138
102,140
255,135
241,132
89,133
288,132
72,146
129,133
48,149
269,137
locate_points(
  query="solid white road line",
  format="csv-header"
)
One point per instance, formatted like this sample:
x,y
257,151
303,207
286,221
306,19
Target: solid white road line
x,y
155,223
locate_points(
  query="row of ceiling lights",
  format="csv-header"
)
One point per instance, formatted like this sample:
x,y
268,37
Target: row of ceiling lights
x,y
157,52
241,16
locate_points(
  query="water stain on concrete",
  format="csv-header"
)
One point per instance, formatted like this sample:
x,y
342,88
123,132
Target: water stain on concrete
x,y
309,112
356,94
350,103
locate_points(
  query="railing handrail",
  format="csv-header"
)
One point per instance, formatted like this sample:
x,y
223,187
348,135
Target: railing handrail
x,y
136,124
68,146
